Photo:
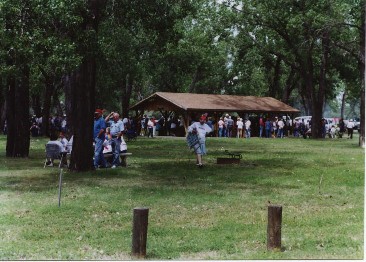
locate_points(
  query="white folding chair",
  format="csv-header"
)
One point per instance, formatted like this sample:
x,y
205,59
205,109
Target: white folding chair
x,y
53,152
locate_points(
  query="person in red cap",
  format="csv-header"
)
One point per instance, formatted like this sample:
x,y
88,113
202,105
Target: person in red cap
x,y
201,129
99,130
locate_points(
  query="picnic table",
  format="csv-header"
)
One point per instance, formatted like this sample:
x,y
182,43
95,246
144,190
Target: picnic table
x,y
234,158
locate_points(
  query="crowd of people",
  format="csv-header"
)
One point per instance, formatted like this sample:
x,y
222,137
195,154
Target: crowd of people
x,y
57,123
230,126
151,126
109,132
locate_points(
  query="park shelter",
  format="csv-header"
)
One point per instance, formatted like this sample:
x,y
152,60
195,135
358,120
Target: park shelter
x,y
188,105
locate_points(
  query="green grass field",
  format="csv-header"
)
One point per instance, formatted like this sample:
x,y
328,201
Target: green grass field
x,y
218,212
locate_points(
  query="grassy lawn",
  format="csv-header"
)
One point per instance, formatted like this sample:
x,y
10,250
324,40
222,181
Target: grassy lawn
x,y
218,212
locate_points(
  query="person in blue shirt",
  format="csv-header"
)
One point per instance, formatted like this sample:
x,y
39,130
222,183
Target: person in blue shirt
x,y
116,130
98,135
268,126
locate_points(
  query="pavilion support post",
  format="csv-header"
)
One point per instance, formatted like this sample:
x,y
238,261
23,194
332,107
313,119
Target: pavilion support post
x,y
186,121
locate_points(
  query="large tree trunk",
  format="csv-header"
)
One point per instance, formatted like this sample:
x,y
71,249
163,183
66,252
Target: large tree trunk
x,y
17,114
67,83
126,95
47,99
363,75
196,77
291,83
2,106
83,83
82,108
275,86
343,104
36,105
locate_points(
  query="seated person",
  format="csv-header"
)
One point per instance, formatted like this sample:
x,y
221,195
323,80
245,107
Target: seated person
x,y
53,140
106,144
63,141
108,148
332,132
123,148
34,130
69,145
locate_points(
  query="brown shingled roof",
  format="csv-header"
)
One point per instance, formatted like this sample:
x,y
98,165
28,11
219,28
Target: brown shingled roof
x,y
210,102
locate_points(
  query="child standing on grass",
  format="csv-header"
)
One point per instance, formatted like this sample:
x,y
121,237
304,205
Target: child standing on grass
x,y
200,129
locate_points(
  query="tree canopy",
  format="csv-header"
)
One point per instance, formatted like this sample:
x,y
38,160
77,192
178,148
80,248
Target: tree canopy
x,y
54,53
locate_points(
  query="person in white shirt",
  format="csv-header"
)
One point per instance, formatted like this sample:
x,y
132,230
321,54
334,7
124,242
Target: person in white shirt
x,y
280,125
150,127
332,132
247,128
221,124
350,126
239,124
201,129
63,141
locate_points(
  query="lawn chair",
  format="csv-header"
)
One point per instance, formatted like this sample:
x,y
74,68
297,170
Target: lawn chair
x,y
53,152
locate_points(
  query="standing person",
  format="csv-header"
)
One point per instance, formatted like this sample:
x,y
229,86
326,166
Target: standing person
x,y
150,127
116,131
173,126
226,118
240,125
323,127
98,135
146,120
350,126
221,125
247,128
296,128
268,126
342,128
261,126
281,125
142,132
274,126
210,123
201,129
154,126
230,125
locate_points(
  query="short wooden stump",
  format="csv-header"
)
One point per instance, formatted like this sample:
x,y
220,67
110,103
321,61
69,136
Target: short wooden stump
x,y
227,160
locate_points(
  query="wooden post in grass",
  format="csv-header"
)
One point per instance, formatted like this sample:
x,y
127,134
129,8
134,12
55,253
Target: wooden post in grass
x,y
274,227
139,231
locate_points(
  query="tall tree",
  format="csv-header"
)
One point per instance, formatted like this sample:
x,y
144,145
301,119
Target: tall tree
x,y
16,34
302,33
82,84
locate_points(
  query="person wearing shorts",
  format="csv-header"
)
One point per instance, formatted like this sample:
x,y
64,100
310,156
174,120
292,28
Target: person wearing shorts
x,y
200,129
